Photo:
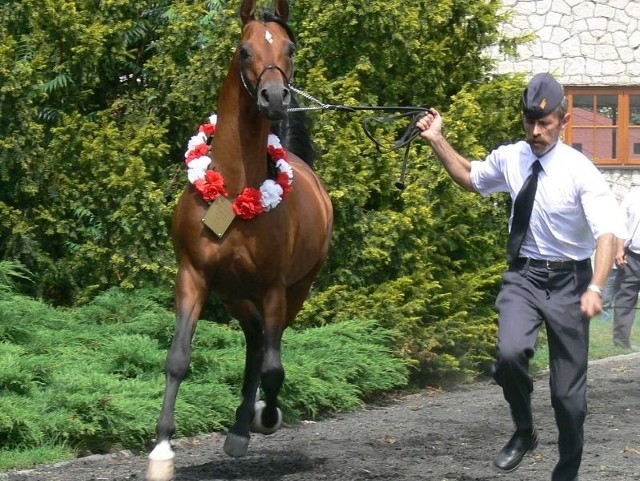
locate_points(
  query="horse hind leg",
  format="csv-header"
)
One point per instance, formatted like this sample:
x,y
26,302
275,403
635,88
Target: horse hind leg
x,y
268,416
161,464
265,421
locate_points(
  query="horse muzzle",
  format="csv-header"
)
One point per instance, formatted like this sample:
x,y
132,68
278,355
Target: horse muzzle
x,y
273,100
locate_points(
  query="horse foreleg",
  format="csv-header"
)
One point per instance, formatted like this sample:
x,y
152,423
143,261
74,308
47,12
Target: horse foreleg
x,y
190,296
236,443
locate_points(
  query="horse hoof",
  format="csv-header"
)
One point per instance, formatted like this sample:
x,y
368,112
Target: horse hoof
x,y
160,470
236,446
256,422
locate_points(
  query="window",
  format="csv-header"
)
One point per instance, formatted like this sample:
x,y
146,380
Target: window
x,y
605,124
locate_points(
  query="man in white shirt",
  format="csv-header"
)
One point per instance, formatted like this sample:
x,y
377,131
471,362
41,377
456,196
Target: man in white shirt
x,y
550,277
627,283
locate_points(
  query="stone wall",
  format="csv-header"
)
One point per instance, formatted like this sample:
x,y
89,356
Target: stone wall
x,y
621,181
582,43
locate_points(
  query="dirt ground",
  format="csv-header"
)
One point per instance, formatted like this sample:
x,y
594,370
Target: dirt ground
x,y
431,436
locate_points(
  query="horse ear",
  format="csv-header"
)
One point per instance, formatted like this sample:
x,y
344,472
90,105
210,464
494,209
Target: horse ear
x,y
247,11
282,10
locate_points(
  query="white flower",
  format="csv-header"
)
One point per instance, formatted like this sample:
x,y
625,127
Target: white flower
x,y
284,166
195,174
200,163
271,194
274,141
198,168
199,138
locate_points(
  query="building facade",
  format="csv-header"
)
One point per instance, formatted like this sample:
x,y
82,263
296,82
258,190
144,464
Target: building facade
x,y
593,48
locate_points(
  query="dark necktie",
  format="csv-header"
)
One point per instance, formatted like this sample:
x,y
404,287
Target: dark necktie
x,y
522,212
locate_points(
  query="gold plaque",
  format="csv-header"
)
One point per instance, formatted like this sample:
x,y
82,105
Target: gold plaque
x,y
219,216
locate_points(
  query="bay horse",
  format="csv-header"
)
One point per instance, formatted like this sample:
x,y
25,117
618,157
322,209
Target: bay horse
x,y
263,248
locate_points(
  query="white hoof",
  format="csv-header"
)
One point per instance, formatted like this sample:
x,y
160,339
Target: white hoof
x,y
235,446
160,470
256,422
161,465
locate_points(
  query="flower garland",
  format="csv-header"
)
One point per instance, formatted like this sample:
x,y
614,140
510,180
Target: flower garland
x,y
210,184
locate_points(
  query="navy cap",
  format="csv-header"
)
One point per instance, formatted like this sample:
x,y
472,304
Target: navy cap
x,y
542,96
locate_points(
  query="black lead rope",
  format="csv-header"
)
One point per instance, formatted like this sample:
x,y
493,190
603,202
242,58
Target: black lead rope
x,y
410,133
405,140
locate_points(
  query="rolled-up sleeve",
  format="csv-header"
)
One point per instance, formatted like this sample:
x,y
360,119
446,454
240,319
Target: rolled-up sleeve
x,y
487,176
601,209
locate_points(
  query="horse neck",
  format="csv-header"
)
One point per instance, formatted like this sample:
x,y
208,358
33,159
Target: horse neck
x,y
240,144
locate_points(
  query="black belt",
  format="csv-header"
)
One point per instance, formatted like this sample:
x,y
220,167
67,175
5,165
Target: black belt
x,y
554,265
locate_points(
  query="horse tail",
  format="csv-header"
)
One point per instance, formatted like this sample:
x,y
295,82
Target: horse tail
x,y
294,132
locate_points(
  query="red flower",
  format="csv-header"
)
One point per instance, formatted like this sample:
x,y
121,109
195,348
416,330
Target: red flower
x,y
277,152
212,186
247,205
198,151
208,129
283,181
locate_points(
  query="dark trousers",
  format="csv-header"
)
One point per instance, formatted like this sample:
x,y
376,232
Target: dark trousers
x,y
626,287
528,297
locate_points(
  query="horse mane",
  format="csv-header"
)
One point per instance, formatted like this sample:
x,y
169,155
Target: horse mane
x,y
293,130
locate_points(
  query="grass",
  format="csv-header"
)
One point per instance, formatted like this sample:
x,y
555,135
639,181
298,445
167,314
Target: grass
x,y
600,343
34,456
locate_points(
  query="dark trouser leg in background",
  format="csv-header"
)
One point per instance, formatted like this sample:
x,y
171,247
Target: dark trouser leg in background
x,y
627,286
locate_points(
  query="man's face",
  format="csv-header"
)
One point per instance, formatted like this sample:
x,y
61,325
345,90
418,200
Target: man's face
x,y
543,133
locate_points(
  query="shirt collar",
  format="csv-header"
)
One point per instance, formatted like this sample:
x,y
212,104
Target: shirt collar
x,y
544,158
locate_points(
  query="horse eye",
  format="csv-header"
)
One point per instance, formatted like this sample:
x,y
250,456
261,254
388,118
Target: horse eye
x,y
291,49
245,53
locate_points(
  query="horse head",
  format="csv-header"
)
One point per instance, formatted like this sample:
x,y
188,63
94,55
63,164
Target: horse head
x,y
265,57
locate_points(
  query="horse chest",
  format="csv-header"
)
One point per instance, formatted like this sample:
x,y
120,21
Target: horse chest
x,y
242,263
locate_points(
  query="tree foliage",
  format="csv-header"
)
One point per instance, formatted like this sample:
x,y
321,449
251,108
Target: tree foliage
x,y
427,259
97,100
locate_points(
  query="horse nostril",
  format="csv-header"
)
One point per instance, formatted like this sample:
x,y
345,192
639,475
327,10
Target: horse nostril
x,y
286,96
264,95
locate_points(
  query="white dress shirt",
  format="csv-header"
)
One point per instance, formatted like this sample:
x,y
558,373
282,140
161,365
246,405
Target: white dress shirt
x,y
573,204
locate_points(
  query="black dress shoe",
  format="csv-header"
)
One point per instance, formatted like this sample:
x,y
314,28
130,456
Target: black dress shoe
x,y
510,457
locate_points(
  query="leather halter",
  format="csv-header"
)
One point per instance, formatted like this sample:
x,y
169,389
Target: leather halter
x,y
253,91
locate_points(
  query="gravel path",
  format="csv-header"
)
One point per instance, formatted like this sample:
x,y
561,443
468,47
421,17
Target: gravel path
x,y
429,435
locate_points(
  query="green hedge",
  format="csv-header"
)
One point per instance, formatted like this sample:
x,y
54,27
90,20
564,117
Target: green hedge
x,y
91,379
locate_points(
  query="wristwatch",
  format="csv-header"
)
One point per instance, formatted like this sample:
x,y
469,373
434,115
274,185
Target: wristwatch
x,y
595,288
